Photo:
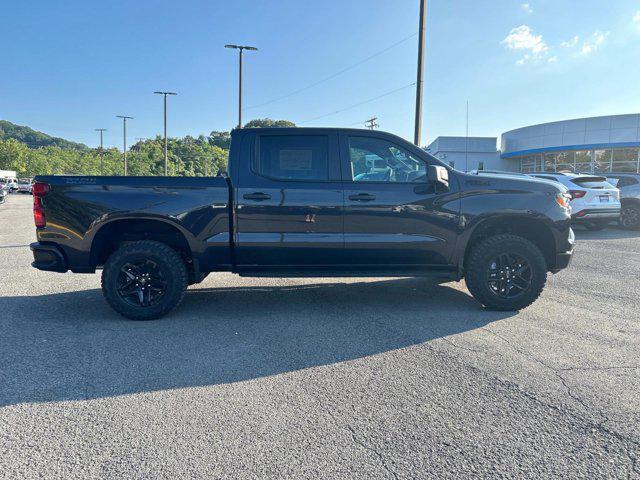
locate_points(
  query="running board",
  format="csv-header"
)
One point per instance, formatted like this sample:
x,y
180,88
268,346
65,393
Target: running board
x,y
439,274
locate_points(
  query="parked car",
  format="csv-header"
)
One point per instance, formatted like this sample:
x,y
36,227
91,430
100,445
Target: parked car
x,y
3,195
629,185
24,185
594,201
293,205
11,184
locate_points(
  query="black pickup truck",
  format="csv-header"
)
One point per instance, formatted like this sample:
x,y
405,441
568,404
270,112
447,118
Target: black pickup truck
x,y
305,202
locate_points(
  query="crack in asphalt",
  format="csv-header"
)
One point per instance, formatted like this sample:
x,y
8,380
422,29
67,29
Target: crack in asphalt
x,y
626,443
453,344
599,426
556,371
381,458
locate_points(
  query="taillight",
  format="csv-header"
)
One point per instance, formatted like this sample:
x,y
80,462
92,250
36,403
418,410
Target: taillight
x,y
39,190
577,194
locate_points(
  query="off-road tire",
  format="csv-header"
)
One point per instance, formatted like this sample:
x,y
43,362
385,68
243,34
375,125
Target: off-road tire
x,y
172,267
480,260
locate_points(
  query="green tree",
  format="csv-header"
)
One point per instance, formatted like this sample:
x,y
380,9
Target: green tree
x,y
267,122
32,153
220,139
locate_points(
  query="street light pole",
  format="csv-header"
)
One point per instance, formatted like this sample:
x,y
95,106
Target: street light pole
x,y
165,128
124,127
241,48
419,82
101,130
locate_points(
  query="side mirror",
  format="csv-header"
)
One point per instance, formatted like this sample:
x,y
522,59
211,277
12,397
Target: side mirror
x,y
438,176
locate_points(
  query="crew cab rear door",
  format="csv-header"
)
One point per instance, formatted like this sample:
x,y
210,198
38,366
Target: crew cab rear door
x,y
394,217
289,202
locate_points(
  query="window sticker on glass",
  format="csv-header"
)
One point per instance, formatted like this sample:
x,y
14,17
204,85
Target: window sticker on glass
x,y
296,160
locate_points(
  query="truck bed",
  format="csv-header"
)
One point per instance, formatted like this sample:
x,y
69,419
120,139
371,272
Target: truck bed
x,y
79,208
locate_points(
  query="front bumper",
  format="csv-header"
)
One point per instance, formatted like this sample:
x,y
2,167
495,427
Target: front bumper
x,y
596,214
48,257
563,259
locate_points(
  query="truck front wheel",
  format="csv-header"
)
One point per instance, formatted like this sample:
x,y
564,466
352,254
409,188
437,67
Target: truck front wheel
x,y
144,280
505,272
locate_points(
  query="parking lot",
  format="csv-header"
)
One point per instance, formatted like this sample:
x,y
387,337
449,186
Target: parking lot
x,y
331,378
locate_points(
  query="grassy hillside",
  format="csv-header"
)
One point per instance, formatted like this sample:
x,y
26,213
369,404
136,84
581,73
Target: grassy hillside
x,y
35,139
31,153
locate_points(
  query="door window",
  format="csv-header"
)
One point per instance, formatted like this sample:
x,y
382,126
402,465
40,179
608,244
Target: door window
x,y
294,157
377,160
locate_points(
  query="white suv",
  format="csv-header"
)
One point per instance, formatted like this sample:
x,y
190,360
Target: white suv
x,y
594,201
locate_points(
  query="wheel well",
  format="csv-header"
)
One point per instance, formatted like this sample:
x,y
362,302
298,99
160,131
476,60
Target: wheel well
x,y
533,230
113,235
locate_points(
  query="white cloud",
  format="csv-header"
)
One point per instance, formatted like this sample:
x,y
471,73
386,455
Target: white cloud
x,y
570,43
526,7
636,17
553,59
592,44
522,39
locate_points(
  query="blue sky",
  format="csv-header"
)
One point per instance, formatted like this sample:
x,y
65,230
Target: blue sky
x,y
69,67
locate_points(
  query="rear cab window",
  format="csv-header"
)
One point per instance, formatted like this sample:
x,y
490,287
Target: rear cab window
x,y
293,157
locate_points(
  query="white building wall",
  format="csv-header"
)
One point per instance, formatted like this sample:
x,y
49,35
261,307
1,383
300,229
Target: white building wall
x,y
582,131
468,153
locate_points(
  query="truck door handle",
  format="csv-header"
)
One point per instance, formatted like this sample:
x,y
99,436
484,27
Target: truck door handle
x,y
256,196
362,197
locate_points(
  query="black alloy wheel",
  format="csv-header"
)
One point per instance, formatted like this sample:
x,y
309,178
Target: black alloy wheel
x,y
144,280
141,283
509,275
505,272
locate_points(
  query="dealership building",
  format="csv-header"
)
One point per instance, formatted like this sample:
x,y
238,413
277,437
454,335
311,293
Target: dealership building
x,y
595,145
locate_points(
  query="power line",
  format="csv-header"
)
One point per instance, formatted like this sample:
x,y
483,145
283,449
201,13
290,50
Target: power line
x,y
332,76
360,103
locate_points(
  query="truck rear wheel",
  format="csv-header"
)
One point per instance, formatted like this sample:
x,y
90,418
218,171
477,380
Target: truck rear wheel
x,y
506,272
144,280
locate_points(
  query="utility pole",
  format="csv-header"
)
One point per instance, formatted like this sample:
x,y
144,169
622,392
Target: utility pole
x,y
165,127
241,48
419,82
101,130
124,149
466,143
371,123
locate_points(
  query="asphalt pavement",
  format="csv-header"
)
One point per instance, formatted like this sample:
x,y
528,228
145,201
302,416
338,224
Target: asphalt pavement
x,y
321,378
